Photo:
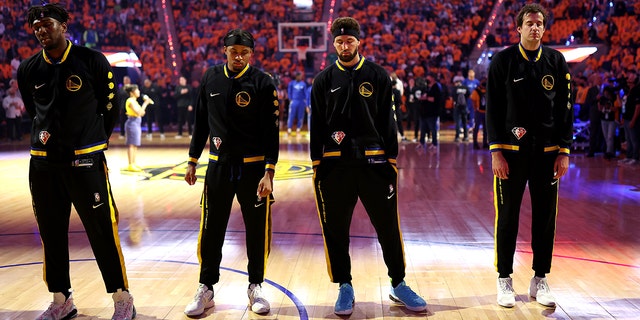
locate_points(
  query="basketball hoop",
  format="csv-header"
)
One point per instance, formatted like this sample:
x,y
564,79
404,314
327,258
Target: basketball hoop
x,y
302,53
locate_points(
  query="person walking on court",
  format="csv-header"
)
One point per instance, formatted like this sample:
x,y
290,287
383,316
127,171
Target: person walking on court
x,y
237,111
70,92
530,128
353,146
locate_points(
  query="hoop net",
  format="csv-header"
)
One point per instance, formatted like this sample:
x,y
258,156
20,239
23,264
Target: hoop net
x,y
302,52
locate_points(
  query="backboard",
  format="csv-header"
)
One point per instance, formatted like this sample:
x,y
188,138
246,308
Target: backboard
x,y
309,35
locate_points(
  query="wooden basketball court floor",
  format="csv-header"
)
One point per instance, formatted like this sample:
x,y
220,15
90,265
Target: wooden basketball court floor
x,y
447,216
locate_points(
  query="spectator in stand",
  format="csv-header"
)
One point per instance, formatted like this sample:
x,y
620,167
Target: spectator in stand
x,y
90,36
14,108
581,90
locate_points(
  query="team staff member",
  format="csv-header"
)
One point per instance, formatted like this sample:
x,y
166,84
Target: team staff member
x,y
237,109
353,148
530,126
69,91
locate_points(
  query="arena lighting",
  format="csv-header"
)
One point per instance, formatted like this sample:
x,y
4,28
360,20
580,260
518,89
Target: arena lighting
x,y
332,6
123,59
576,54
304,4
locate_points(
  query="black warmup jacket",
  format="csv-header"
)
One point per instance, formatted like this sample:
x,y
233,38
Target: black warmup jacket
x,y
529,103
353,116
71,117
240,115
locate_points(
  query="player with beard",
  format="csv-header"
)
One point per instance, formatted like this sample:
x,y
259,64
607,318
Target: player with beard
x,y
354,148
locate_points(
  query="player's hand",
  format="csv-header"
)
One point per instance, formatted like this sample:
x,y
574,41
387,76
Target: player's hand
x,y
561,166
190,175
265,186
499,165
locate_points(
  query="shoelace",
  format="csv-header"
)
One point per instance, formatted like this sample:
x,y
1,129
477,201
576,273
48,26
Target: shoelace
x,y
122,309
200,294
543,287
256,294
505,287
406,291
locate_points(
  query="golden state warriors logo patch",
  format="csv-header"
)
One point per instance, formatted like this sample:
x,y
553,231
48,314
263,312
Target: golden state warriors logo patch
x,y
216,142
44,136
73,83
338,136
548,82
243,99
519,132
365,89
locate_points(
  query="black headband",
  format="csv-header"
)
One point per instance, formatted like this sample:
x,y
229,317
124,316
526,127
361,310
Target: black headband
x,y
48,14
346,32
238,39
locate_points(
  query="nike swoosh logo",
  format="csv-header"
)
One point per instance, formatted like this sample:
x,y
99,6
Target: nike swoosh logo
x,y
214,94
97,205
335,89
554,182
38,86
391,195
517,80
258,204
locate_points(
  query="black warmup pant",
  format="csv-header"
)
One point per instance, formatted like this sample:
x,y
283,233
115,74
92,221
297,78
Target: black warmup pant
x,y
536,168
54,188
154,113
184,115
337,189
222,183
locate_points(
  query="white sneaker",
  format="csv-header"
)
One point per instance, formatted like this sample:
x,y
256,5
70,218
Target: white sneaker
x,y
203,299
123,305
539,289
506,295
257,301
60,308
149,136
162,136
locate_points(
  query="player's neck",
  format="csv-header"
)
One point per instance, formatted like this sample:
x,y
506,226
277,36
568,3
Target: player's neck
x,y
530,45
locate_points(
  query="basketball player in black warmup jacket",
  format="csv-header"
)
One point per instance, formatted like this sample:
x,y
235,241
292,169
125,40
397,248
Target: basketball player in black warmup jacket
x,y
69,91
